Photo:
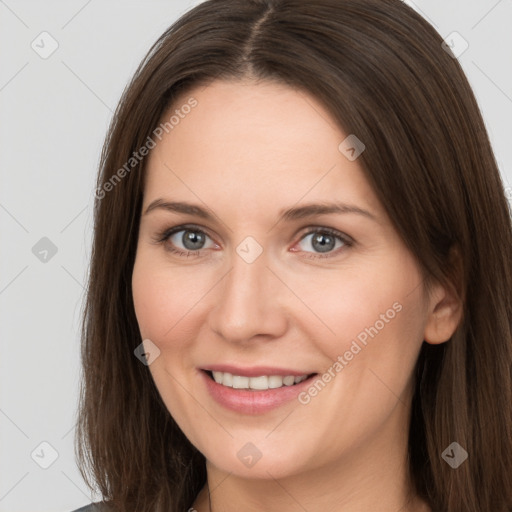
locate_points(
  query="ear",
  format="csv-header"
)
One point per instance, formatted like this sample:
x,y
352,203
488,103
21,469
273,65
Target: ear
x,y
445,306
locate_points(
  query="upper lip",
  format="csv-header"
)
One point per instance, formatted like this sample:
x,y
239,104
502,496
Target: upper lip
x,y
254,371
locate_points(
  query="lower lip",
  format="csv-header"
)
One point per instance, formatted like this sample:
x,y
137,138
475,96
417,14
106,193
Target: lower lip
x,y
253,402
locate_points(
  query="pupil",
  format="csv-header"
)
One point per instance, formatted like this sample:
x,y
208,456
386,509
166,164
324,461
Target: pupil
x,y
192,240
323,246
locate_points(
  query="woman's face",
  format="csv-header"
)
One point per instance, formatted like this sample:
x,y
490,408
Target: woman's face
x,y
256,282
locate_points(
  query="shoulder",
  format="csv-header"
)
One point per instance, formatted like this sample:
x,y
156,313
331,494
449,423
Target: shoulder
x,y
93,507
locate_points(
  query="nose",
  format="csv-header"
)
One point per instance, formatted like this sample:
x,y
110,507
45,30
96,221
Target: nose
x,y
249,302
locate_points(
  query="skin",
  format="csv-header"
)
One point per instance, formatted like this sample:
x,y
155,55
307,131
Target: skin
x,y
245,152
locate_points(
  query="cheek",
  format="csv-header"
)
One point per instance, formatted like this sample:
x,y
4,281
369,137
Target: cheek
x,y
373,314
347,303
163,298
150,302
163,301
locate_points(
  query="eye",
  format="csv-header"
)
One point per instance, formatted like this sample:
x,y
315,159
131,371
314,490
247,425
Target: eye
x,y
185,240
190,241
325,240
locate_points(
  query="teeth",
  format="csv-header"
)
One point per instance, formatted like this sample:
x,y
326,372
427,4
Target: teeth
x,y
240,382
226,379
257,382
260,383
289,381
275,381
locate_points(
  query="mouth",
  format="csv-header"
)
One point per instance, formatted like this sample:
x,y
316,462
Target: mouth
x,y
258,383
257,394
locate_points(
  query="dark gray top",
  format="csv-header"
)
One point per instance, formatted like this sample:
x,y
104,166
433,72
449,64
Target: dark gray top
x,y
93,507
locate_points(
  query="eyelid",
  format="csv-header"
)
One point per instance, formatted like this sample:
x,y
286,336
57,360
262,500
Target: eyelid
x,y
163,235
326,229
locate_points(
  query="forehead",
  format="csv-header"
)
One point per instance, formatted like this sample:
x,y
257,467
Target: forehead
x,y
256,144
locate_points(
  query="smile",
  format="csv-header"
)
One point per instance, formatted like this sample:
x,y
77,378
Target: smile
x,y
253,395
261,382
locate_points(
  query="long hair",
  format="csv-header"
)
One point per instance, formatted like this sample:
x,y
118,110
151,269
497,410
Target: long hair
x,y
381,71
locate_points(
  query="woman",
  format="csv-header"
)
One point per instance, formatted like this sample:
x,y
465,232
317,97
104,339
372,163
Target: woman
x,y
299,295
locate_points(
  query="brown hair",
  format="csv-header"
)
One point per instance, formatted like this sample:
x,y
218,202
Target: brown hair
x,y
380,70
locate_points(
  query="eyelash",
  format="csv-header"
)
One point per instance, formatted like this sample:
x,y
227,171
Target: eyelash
x,y
164,235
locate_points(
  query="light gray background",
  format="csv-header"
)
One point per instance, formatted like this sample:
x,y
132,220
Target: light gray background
x,y
54,115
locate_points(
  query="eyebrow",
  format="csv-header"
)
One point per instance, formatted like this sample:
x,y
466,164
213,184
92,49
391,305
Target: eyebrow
x,y
294,213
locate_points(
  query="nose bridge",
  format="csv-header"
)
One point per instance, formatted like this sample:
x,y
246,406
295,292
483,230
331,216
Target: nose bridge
x,y
245,282
247,303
